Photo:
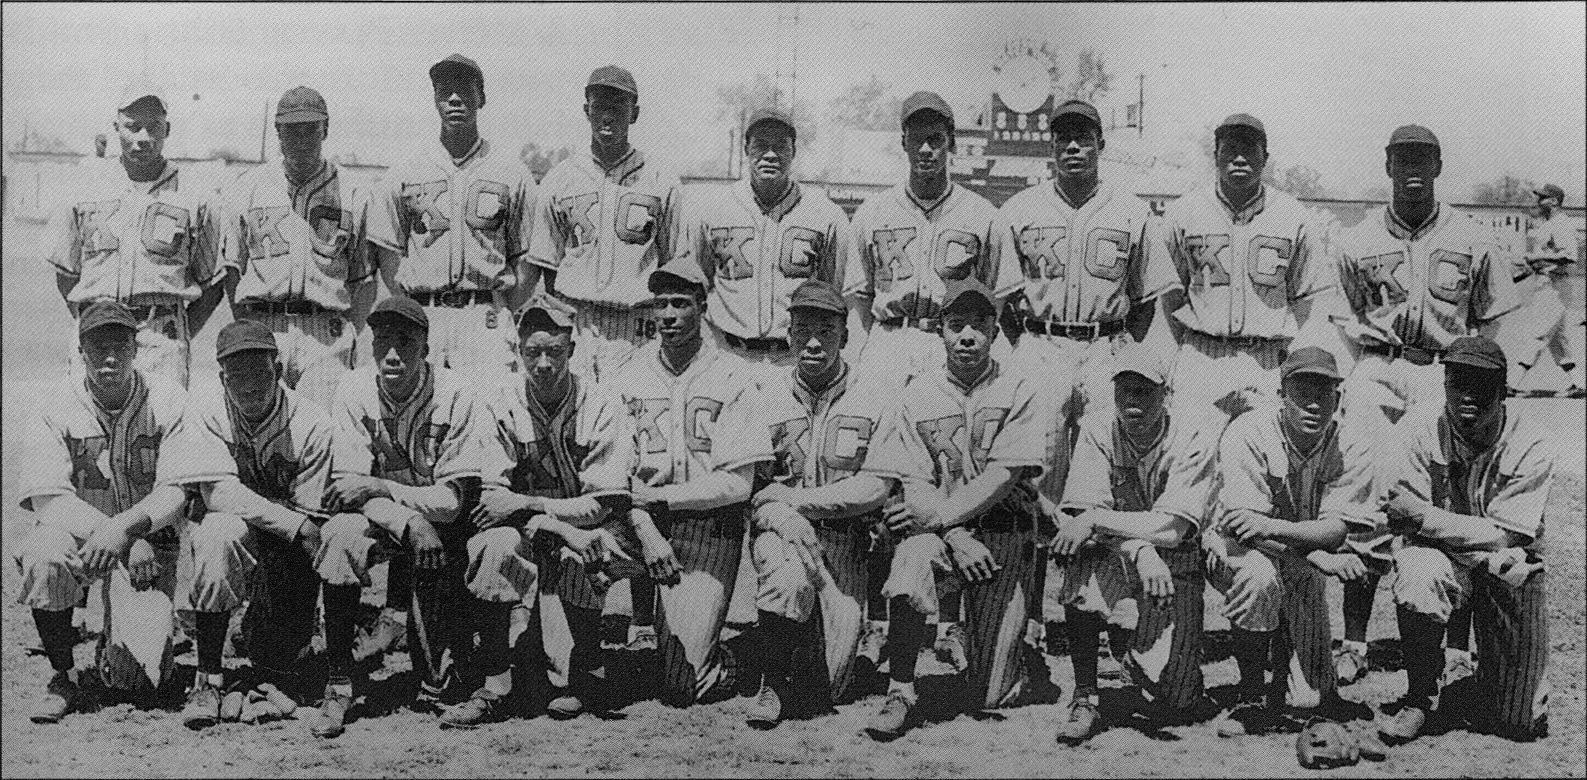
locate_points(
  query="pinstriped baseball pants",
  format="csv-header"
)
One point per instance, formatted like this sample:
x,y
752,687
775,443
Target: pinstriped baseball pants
x,y
1287,595
606,335
834,595
499,566
691,613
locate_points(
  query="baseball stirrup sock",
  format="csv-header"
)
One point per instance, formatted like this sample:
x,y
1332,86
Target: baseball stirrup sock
x,y
341,614
491,620
1083,629
906,634
57,635
1421,637
1251,652
211,640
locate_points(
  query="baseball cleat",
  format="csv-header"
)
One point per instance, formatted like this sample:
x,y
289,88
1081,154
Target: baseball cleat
x,y
1085,722
332,719
387,635
766,713
890,722
1247,717
565,707
1349,665
1402,726
59,697
950,649
1458,665
231,706
282,702
873,642
481,708
203,707
642,638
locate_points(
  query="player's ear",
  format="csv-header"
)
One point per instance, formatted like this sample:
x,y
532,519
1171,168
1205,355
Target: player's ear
x,y
953,143
1388,164
325,129
1102,143
633,116
1438,165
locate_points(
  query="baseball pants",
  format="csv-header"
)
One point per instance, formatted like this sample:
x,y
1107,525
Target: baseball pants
x,y
709,546
316,350
606,336
1076,384
1165,649
163,345
832,593
1214,375
1546,320
993,610
1285,594
233,564
1381,390
478,337
570,601
1511,624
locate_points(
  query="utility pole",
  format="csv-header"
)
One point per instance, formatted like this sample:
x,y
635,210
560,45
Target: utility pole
x,y
264,131
1140,107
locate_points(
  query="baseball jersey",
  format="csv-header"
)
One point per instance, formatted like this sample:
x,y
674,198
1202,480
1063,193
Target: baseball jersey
x,y
1173,474
585,445
294,243
754,259
108,459
944,435
820,438
687,425
457,226
439,433
1263,472
603,230
1086,264
905,252
1421,288
121,238
286,458
1241,270
1507,483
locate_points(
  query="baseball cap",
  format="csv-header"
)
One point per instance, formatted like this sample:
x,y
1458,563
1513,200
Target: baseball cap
x,y
770,114
140,90
615,77
399,310
301,104
1310,360
1078,108
1477,352
1140,359
104,313
818,295
1412,134
243,336
1238,121
457,63
924,101
544,315
1551,191
966,292
682,268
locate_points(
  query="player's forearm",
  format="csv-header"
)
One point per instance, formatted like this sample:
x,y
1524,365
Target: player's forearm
x,y
362,300
528,276
977,497
233,498
710,491
1319,534
67,512
1139,319
1466,532
578,512
846,497
198,311
389,515
436,503
162,508
1159,528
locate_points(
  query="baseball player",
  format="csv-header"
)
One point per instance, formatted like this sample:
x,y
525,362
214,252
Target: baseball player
x,y
452,226
411,440
294,251
602,223
966,446
1417,275
1254,268
1138,493
1294,482
89,480
144,234
260,456
1468,501
563,454
698,439
813,521
1553,317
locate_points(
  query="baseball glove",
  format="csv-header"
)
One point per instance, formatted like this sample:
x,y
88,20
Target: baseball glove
x,y
1326,745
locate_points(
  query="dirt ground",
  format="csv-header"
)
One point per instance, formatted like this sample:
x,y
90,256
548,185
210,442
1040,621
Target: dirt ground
x,y
713,740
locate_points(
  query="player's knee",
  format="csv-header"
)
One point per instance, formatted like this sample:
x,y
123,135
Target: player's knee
x,y
1255,573
344,551
498,569
218,533
1423,579
918,550
45,549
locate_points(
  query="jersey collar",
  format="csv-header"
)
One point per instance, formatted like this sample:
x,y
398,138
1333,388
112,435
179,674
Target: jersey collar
x,y
625,167
444,158
421,391
907,197
984,379
134,395
1245,215
778,210
1404,232
811,398
1089,199
166,179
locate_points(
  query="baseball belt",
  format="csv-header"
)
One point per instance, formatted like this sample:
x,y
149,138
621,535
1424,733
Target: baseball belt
x,y
453,299
140,312
282,307
756,344
1081,331
1416,355
928,324
728,521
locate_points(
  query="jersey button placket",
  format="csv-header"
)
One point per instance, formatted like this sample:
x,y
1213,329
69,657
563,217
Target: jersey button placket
x,y
1239,292
1421,277
1071,311
605,245
765,284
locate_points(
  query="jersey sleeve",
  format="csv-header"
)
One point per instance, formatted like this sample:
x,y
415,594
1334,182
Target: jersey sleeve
x,y
47,468
1523,489
1192,471
694,235
860,277
667,236
609,437
900,453
1154,272
1311,267
835,249
353,447
738,435
60,246
388,219
1493,292
520,222
314,466
1243,465
199,454
499,449
548,233
1353,497
1021,443
1090,481
231,232
463,451
360,263
1004,248
205,263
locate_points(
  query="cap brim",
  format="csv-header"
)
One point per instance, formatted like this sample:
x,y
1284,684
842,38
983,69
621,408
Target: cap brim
x,y
440,69
382,319
300,117
1473,361
1311,371
1150,376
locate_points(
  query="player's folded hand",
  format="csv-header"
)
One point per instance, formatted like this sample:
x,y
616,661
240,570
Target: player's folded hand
x,y
1246,526
308,537
106,546
142,567
906,519
1406,513
496,508
794,529
349,492
1073,531
1348,567
972,557
660,560
1215,549
775,492
1156,579
425,544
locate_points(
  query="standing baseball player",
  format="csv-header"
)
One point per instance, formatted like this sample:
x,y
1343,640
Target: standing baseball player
x,y
411,440
559,473
89,480
1253,268
699,436
1552,316
144,234
260,456
1294,482
452,227
1138,493
966,445
602,223
1417,275
813,521
1468,500
294,251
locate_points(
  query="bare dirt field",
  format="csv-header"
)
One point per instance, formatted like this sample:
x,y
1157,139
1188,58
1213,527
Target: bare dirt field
x,y
713,740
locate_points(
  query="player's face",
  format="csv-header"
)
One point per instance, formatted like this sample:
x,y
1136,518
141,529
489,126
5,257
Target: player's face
x,y
928,140
677,317
1241,156
250,379
1412,168
610,112
142,130
458,100
1138,399
1473,395
818,336
1076,146
108,353
301,140
770,150
1309,402
545,356
399,352
967,337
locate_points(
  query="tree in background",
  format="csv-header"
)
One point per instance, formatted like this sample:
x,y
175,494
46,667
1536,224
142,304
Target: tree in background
x,y
1091,79
868,106
1506,190
540,160
1302,182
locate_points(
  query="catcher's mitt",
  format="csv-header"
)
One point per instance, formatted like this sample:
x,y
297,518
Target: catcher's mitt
x,y
1326,745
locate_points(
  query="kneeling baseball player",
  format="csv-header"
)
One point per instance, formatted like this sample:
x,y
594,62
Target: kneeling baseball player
x,y
1137,493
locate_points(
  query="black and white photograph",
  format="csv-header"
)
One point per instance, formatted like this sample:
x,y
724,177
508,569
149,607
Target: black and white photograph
x,y
787,389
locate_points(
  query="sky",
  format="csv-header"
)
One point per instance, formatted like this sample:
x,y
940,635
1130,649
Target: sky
x,y
1504,86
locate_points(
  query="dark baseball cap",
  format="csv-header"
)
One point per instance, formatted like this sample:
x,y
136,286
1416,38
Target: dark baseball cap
x,y
104,313
545,315
139,91
924,101
615,77
1412,134
1551,191
1477,352
1078,108
1310,360
243,336
399,310
301,104
818,295
683,268
770,114
968,292
1141,359
1246,122
457,63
